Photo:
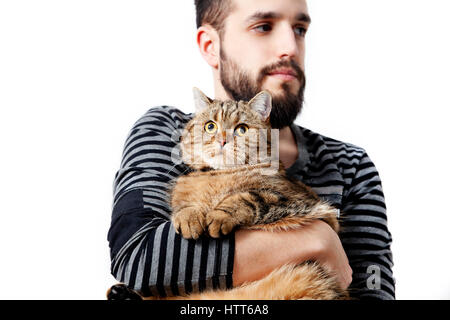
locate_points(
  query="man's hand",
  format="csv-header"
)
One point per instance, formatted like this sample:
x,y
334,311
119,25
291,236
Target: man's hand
x,y
330,253
258,252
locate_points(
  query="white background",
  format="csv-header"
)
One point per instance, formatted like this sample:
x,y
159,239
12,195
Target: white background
x,y
75,76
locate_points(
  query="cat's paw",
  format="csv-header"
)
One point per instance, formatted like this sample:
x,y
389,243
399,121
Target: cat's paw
x,y
189,222
219,221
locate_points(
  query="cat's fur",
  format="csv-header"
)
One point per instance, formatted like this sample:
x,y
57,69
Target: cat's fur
x,y
229,189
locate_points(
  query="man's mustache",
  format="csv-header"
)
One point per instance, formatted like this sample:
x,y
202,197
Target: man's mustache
x,y
282,64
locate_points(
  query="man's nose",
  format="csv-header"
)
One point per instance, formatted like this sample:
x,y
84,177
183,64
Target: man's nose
x,y
287,44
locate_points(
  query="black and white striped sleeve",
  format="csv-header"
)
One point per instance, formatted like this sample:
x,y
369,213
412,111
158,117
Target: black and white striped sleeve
x,y
146,253
365,235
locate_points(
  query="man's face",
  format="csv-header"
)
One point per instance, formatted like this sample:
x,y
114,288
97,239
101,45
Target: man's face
x,y
262,48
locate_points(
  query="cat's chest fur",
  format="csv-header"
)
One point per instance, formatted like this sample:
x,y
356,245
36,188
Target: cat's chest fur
x,y
209,188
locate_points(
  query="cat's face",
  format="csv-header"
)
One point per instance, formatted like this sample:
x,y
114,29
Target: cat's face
x,y
227,134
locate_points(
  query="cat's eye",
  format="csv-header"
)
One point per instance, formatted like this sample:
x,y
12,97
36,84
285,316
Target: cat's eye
x,y
241,130
210,127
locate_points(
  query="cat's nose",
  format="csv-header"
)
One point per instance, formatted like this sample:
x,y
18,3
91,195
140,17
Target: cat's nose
x,y
222,143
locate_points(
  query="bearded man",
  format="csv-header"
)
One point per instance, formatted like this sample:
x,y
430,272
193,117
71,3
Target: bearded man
x,y
250,45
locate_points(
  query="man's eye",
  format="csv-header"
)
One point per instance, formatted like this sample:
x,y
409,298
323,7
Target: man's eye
x,y
263,28
300,31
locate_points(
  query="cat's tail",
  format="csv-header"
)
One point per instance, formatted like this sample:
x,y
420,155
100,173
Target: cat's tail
x,y
307,281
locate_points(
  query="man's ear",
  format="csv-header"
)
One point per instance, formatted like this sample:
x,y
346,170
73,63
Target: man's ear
x,y
202,102
262,103
208,42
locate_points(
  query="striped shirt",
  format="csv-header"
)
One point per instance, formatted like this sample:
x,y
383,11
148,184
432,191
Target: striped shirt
x,y
149,257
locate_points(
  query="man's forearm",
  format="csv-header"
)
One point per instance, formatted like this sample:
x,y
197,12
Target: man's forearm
x,y
257,253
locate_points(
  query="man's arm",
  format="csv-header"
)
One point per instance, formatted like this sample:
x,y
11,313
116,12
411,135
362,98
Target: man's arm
x,y
146,253
365,234
257,252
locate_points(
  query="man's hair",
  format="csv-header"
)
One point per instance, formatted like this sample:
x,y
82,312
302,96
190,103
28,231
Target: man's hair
x,y
213,12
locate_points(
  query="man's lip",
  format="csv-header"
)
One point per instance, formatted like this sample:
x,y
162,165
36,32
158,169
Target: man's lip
x,y
284,75
287,72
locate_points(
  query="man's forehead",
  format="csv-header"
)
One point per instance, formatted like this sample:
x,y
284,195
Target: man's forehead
x,y
273,9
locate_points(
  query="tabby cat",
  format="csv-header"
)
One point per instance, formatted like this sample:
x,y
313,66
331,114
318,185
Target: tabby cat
x,y
238,181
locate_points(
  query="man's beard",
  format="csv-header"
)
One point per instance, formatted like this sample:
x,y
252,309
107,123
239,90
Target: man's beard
x,y
240,86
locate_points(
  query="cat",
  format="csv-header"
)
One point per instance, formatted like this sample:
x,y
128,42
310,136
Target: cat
x,y
237,181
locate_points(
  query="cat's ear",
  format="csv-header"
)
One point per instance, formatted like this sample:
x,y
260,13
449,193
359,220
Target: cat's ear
x,y
262,103
202,102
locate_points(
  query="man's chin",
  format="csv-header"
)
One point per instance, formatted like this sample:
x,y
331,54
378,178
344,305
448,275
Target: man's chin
x,y
281,97
282,90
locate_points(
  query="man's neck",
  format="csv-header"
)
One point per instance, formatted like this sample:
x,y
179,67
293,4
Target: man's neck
x,y
219,91
288,147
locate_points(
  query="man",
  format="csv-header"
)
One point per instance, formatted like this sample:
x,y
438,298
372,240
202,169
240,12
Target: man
x,y
250,45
